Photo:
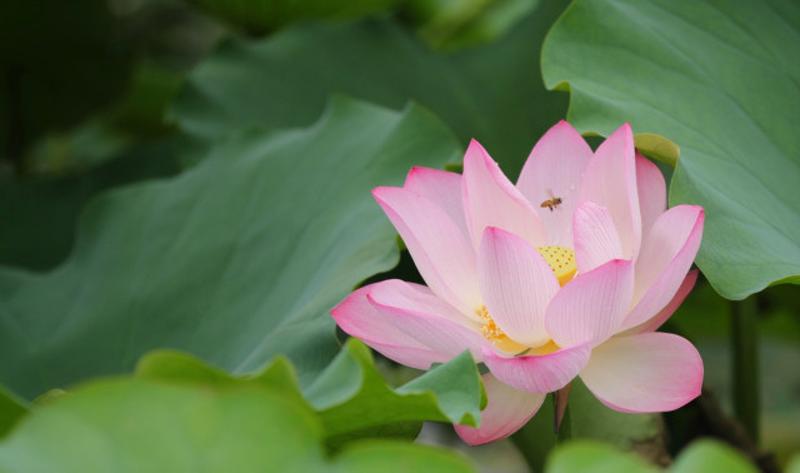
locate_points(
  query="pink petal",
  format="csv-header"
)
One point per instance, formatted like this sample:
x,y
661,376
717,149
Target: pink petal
x,y
507,411
417,312
443,256
490,200
554,169
443,188
654,323
649,372
516,284
652,192
664,261
610,180
596,239
539,373
358,318
591,306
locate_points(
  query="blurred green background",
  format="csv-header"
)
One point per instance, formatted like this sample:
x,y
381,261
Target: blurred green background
x,y
99,94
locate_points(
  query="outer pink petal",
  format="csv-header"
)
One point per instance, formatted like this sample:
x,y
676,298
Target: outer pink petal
x,y
610,180
417,312
507,411
654,323
444,258
358,318
596,239
649,372
490,200
554,169
591,307
539,373
443,188
666,257
516,284
652,192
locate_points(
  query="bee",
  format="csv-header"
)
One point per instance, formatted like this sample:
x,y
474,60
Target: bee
x,y
552,203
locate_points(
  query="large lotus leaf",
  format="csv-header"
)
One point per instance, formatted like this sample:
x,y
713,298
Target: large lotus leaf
x,y
718,78
350,396
136,425
235,260
40,213
493,93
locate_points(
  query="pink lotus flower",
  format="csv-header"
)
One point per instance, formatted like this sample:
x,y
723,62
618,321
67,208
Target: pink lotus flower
x,y
568,273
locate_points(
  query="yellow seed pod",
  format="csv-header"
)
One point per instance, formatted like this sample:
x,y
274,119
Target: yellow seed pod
x,y
561,260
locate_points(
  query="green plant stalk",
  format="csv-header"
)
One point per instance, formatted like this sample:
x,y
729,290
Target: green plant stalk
x,y
744,338
565,431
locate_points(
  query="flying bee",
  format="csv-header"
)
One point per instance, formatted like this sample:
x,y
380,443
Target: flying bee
x,y
552,203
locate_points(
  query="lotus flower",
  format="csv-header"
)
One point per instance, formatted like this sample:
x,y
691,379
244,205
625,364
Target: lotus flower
x,y
568,273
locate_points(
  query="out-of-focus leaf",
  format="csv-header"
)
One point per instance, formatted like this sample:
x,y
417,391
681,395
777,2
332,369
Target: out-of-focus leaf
x,y
707,455
493,93
396,457
89,144
593,457
354,400
11,410
794,465
720,79
60,61
137,116
141,110
351,398
136,425
40,213
261,16
449,24
236,260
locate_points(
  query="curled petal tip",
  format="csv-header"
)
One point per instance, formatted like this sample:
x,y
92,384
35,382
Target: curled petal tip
x,y
476,149
377,191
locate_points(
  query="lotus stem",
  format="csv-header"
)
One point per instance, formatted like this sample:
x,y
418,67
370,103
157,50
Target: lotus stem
x,y
744,337
565,429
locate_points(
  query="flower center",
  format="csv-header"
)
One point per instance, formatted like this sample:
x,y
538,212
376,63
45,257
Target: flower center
x,y
494,334
561,260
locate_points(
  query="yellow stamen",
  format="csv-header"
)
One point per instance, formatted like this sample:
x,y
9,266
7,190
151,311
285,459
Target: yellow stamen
x,y
561,260
546,349
494,334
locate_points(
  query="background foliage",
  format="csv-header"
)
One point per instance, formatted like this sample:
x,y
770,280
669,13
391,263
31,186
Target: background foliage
x,y
184,191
